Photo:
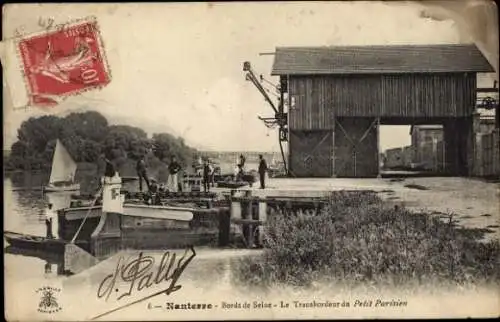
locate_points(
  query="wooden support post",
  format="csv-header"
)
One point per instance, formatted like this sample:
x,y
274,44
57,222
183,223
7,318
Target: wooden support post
x,y
255,227
355,161
379,175
224,227
236,208
263,218
244,212
248,228
334,172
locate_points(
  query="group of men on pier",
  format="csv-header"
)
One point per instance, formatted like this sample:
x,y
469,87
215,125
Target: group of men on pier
x,y
173,183
174,168
240,170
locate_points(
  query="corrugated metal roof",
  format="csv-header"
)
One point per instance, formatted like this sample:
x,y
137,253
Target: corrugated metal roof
x,y
380,59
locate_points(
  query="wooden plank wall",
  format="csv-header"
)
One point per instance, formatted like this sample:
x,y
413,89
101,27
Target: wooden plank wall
x,y
489,155
311,153
356,156
317,98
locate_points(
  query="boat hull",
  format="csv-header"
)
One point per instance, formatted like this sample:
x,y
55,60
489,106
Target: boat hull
x,y
232,184
158,212
37,243
142,226
131,210
72,187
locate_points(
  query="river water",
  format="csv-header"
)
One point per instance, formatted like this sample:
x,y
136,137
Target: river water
x,y
24,203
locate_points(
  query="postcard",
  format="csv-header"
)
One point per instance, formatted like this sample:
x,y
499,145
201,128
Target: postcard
x,y
251,160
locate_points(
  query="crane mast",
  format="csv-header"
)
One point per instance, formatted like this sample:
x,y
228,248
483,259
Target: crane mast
x,y
280,118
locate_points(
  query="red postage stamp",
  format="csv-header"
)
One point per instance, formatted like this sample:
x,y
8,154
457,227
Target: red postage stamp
x,y
63,62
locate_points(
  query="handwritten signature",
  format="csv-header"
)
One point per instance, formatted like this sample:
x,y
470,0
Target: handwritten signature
x,y
140,274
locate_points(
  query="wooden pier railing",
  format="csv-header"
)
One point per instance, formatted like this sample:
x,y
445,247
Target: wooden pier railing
x,y
250,213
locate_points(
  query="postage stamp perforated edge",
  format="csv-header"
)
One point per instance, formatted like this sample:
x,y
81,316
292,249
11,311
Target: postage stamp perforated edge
x,y
71,23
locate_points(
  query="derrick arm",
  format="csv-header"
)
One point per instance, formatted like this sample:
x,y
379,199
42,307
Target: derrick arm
x,y
280,117
251,77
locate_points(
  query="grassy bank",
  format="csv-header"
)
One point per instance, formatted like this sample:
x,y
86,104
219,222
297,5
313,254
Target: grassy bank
x,y
358,240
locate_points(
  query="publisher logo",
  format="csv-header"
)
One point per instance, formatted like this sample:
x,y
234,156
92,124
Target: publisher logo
x,y
48,299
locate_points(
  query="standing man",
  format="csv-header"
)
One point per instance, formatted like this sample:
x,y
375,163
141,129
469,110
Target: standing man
x,y
110,169
206,176
199,167
49,219
241,167
262,171
142,172
211,180
173,169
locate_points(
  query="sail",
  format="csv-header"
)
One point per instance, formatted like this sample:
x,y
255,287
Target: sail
x,y
63,166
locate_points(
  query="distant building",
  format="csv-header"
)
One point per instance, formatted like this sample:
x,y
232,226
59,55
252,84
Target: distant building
x,y
398,158
427,144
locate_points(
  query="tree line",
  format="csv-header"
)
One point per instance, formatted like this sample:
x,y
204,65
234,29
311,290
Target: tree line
x,y
87,137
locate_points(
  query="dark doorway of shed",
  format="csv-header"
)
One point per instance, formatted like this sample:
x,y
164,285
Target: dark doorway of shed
x,y
412,150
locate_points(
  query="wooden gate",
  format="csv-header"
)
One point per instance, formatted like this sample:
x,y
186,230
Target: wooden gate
x,y
311,153
356,147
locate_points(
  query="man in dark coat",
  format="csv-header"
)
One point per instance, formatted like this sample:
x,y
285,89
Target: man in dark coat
x,y
173,168
142,172
110,169
262,171
206,176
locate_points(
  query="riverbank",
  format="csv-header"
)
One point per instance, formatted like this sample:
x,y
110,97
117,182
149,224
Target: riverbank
x,y
359,241
474,203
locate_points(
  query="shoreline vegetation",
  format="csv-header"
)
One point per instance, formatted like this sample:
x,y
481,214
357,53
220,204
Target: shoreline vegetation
x,y
87,137
358,241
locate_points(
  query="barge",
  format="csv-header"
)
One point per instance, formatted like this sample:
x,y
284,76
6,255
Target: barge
x,y
123,221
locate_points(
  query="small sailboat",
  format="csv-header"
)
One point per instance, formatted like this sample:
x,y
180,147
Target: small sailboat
x,y
62,175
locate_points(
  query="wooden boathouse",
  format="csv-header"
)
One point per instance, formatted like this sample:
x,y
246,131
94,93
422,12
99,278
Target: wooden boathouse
x,y
339,96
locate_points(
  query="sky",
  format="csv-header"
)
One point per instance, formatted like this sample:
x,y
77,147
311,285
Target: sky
x,y
177,68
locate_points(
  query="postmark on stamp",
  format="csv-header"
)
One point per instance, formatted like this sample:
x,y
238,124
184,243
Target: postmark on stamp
x,y
64,61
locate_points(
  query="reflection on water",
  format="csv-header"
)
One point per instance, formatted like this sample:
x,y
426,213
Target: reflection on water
x,y
24,204
53,265
24,209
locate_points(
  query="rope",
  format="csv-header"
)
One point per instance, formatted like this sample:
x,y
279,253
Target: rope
x,y
85,218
